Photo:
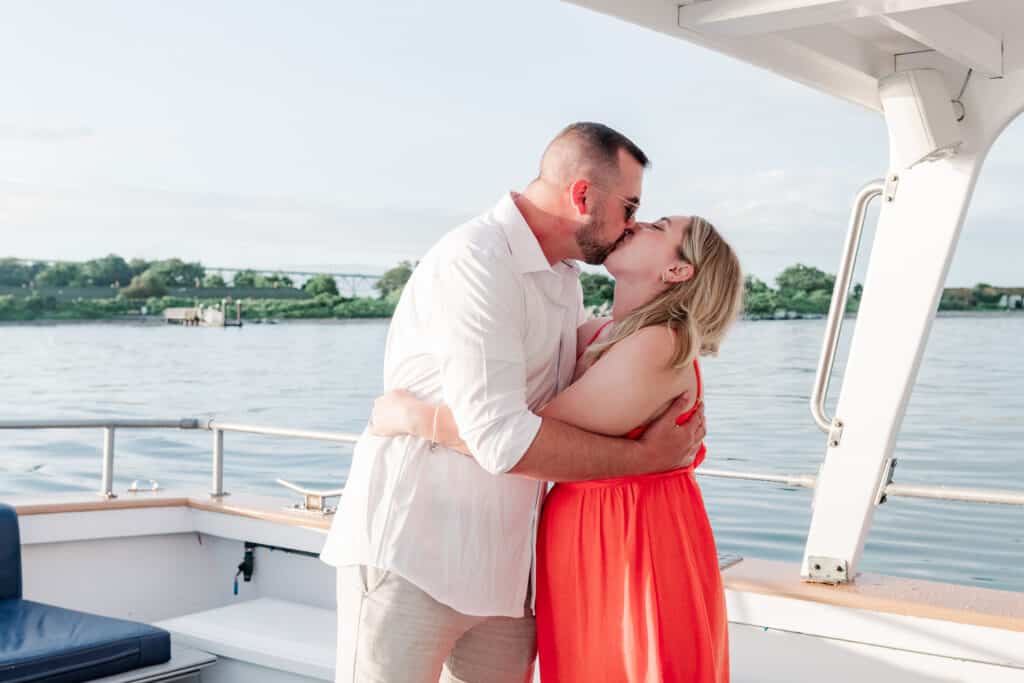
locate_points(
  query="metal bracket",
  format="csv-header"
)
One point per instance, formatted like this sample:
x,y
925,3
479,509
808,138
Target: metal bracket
x,y
312,501
153,486
835,433
892,182
890,467
827,570
726,560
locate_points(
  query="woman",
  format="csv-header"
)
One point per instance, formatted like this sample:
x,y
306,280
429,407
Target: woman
x,y
628,586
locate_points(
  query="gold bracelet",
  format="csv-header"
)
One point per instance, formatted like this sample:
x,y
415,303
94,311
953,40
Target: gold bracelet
x,y
433,433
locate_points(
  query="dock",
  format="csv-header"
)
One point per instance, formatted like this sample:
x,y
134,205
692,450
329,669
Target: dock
x,y
204,316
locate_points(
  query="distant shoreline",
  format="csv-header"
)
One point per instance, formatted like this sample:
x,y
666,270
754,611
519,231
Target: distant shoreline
x,y
158,321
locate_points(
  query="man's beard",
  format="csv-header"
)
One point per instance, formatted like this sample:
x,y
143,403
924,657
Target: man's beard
x,y
594,251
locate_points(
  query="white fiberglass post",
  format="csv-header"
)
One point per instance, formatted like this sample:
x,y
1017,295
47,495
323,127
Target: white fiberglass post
x,y
914,244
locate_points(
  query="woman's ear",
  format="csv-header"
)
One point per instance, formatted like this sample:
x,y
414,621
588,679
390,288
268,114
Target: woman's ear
x,y
679,272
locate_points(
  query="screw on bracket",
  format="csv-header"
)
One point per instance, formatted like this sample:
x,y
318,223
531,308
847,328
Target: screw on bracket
x,y
891,184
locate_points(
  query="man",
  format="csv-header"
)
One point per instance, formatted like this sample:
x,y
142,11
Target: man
x,y
434,550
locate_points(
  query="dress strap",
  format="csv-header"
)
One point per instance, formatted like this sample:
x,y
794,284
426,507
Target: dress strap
x,y
597,334
700,386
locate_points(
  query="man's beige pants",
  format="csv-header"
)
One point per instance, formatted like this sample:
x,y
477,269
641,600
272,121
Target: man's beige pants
x,y
390,631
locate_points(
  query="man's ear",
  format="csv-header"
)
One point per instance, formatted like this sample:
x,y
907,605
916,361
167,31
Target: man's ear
x,y
578,196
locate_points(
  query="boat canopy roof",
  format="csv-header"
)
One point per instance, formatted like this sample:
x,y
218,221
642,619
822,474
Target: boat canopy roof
x,y
843,47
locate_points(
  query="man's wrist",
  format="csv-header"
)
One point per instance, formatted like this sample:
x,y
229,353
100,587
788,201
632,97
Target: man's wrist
x,y
640,456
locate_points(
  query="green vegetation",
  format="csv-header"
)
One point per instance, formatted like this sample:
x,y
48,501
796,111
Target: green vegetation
x,y
597,289
111,287
144,286
803,291
36,307
392,282
322,306
252,279
321,284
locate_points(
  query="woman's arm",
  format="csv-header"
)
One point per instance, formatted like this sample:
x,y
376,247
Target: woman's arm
x,y
627,387
400,412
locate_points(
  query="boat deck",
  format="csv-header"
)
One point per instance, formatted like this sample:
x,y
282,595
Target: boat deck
x,y
168,557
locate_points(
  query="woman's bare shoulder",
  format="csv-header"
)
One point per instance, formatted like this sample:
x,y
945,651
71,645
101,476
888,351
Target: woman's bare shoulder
x,y
649,352
652,345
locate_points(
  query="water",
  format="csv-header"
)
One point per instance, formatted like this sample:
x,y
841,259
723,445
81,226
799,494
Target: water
x,y
962,428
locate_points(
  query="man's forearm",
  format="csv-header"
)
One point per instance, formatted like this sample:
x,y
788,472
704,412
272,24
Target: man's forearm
x,y
562,452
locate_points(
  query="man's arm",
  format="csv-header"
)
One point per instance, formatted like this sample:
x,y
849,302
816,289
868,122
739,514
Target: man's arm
x,y
560,451
478,326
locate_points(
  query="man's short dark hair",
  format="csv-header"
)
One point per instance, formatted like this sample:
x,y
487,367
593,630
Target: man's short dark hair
x,y
603,142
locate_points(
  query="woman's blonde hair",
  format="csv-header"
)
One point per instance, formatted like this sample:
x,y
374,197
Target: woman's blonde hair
x,y
700,310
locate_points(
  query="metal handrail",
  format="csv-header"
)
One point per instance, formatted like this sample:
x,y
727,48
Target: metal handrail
x,y
219,428
950,493
837,309
112,423
806,481
341,437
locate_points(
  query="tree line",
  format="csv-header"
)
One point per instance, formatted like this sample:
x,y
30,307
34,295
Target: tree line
x,y
142,279
805,290
799,289
802,290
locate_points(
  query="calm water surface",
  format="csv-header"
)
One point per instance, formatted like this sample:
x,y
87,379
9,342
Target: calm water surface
x,y
963,426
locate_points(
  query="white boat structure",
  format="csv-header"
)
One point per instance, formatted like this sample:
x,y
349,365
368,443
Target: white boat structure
x,y
947,76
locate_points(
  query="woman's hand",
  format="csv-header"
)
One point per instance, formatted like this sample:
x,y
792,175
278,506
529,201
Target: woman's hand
x,y
394,413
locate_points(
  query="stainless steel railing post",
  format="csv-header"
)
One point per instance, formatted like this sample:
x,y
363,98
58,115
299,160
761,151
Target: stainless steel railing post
x,y
107,482
837,310
218,465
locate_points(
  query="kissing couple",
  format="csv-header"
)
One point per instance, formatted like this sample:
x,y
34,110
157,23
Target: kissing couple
x,y
457,560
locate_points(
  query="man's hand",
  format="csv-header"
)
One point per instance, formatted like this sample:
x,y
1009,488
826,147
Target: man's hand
x,y
669,446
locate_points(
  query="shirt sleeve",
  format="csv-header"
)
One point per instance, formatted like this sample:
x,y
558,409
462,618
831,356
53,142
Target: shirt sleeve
x,y
479,325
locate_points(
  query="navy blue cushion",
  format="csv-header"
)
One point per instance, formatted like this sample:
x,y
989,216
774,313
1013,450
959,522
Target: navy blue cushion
x,y
44,643
10,554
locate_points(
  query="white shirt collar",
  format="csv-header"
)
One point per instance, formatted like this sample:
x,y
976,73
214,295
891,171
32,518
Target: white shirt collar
x,y
525,248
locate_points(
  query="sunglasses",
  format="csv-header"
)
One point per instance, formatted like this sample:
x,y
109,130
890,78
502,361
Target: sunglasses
x,y
629,206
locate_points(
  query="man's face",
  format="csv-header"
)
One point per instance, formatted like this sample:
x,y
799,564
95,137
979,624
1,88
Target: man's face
x,y
612,211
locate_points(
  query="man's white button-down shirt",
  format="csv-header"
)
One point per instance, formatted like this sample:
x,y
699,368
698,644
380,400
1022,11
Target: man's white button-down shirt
x,y
487,326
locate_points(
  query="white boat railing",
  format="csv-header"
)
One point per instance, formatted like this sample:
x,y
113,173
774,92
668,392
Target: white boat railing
x,y
218,429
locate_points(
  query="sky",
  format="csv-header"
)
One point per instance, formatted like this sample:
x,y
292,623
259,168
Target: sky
x,y
352,135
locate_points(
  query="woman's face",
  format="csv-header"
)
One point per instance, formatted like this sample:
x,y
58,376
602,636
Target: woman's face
x,y
650,251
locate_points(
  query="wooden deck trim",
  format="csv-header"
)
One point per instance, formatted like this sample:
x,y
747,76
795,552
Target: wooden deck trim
x,y
266,509
132,502
887,594
253,507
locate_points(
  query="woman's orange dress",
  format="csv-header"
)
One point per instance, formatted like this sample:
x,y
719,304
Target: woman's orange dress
x,y
628,585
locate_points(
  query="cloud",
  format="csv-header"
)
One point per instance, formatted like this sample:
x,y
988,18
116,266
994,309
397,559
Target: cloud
x,y
10,132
